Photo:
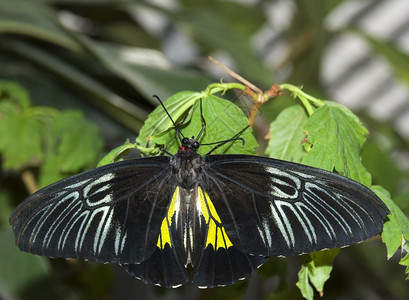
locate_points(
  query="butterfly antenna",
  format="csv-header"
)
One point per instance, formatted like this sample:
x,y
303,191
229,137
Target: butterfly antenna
x,y
179,134
203,122
221,143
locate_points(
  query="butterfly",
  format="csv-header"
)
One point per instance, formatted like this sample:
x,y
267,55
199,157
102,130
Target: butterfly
x,y
211,219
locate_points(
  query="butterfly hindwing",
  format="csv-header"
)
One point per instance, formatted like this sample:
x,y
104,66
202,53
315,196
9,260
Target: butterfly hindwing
x,y
218,262
192,233
276,208
164,268
224,266
108,214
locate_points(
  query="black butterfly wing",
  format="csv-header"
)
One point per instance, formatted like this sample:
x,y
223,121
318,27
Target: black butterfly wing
x,y
164,268
224,266
192,234
276,208
251,208
109,214
215,260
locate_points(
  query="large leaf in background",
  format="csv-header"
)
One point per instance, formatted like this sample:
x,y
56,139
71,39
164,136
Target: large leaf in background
x,y
148,70
105,99
60,143
224,120
36,20
335,138
287,133
227,26
39,21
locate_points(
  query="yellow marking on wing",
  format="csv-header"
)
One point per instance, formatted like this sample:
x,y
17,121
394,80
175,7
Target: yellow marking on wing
x,y
216,234
164,236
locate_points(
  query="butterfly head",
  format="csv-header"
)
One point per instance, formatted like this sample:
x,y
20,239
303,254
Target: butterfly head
x,y
189,144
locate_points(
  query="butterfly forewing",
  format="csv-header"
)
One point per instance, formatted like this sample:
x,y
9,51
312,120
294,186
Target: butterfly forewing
x,y
279,208
108,214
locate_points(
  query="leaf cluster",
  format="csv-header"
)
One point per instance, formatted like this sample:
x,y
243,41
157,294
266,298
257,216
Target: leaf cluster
x,y
326,136
59,143
331,138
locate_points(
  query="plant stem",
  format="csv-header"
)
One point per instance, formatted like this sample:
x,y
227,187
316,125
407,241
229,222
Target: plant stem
x,y
305,98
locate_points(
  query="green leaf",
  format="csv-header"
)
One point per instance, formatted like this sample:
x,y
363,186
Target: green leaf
x,y
11,93
397,225
224,120
308,101
157,130
76,146
79,142
315,271
20,136
50,171
287,133
335,139
321,267
116,154
20,129
391,236
31,136
395,232
304,284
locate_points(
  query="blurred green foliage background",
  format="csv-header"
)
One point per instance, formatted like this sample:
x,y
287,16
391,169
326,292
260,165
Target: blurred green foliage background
x,y
86,71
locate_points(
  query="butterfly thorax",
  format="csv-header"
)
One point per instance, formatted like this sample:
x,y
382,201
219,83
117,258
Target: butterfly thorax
x,y
187,164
